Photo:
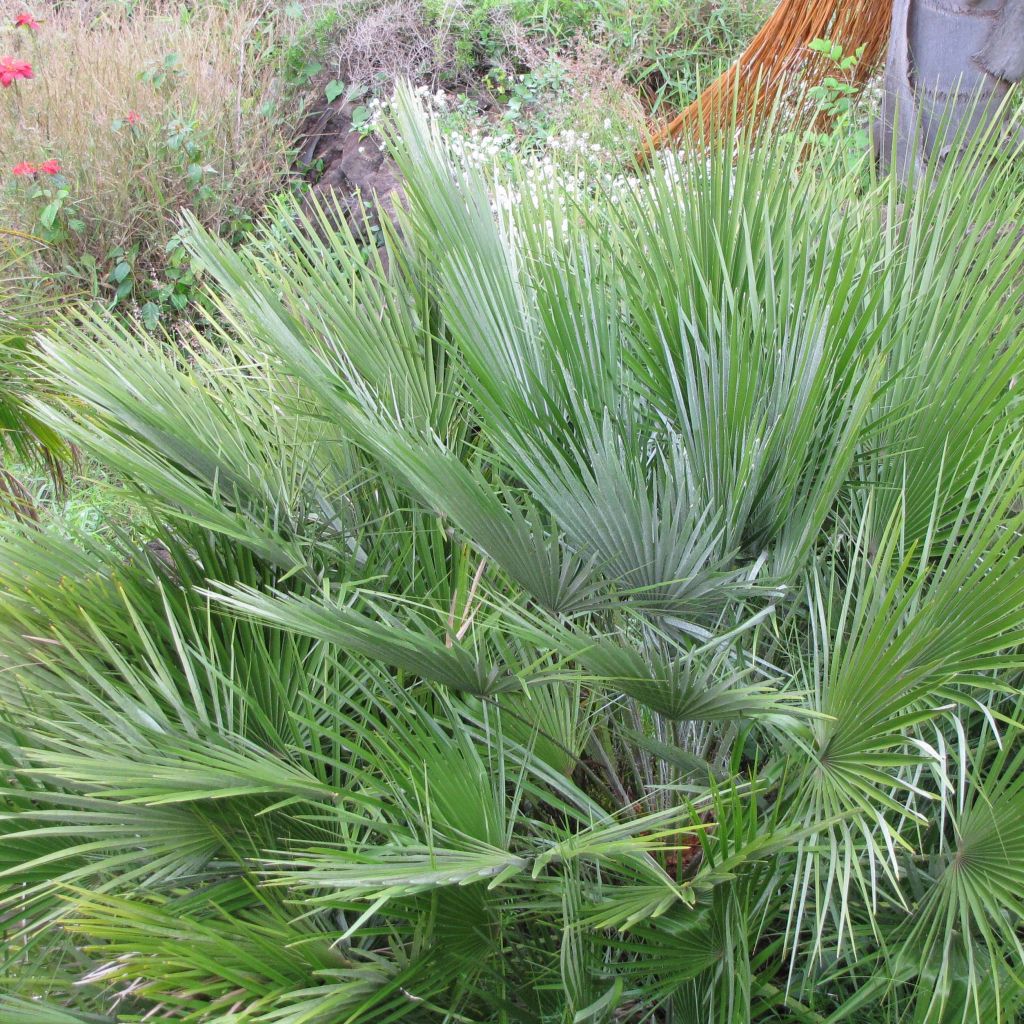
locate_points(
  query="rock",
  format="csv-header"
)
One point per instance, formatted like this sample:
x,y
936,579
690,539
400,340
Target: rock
x,y
348,170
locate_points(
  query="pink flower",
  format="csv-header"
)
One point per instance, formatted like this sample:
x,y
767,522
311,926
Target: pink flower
x,y
25,20
49,167
134,118
23,170
11,70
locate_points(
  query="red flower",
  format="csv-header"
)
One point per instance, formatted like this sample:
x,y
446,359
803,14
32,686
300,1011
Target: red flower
x,y
11,70
134,118
23,170
49,167
25,20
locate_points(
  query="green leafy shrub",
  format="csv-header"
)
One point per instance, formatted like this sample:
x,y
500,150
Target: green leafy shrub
x,y
664,46
610,610
841,118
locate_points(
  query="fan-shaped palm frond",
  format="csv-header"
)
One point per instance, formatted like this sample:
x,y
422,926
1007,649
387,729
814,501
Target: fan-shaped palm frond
x,y
23,434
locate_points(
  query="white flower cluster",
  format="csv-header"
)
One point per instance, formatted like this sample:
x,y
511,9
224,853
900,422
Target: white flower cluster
x,y
560,172
480,140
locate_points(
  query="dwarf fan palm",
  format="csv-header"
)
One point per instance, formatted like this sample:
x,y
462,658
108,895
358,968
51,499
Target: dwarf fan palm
x,y
608,609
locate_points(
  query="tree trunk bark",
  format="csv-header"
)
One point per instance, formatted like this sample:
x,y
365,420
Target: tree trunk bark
x,y
950,65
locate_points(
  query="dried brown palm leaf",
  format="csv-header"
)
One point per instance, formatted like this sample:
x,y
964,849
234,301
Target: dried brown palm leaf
x,y
778,57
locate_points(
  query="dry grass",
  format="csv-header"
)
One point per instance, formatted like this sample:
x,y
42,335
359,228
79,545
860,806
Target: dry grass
x,y
129,184
389,41
380,42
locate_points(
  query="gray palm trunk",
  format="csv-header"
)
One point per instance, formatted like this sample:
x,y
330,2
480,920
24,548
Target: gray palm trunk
x,y
950,65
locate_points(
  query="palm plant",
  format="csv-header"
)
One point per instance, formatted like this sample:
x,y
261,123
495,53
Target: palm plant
x,y
604,609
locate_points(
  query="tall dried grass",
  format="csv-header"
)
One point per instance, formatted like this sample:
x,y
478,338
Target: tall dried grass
x,y
129,184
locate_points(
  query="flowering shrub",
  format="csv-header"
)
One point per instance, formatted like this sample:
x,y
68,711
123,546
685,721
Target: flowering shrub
x,y
49,199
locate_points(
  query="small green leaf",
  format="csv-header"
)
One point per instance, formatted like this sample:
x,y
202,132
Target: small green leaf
x,y
49,213
150,315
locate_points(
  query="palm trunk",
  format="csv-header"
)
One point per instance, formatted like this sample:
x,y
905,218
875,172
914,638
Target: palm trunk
x,y
950,65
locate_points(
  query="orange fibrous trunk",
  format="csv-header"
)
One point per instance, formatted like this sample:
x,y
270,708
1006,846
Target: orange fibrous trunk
x,y
777,58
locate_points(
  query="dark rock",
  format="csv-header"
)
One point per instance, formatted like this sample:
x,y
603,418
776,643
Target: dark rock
x,y
348,171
